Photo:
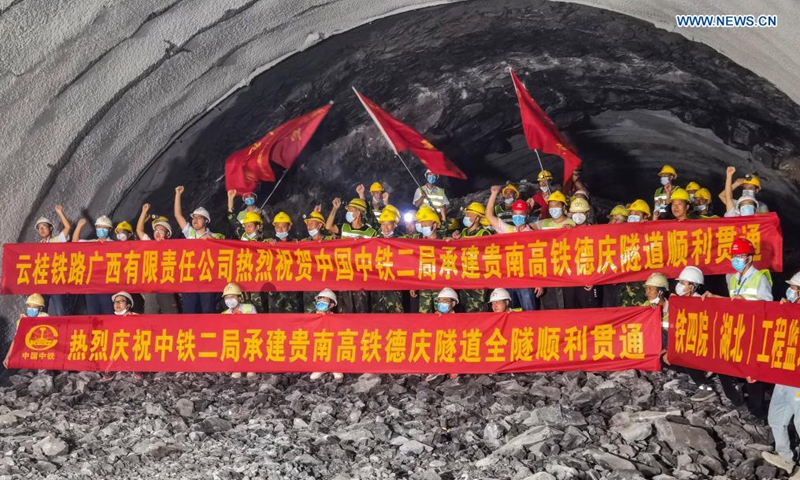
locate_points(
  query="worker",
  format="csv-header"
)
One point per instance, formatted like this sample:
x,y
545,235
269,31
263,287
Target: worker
x,y
586,296
692,188
576,184
233,297
667,176
429,230
354,228
387,301
502,210
747,204
538,202
446,301
283,301
793,292
751,187
638,211
57,305
378,199
431,195
578,211
619,214
34,307
124,231
156,303
315,226
325,303
747,283
249,199
473,300
123,304
701,205
680,204
97,303
557,211
198,229
500,300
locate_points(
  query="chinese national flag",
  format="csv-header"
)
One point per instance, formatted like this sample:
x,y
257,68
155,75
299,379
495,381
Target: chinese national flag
x,y
540,131
283,145
402,137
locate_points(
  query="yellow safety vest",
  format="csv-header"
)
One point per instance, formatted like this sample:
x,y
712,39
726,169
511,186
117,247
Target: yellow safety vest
x,y
748,290
365,232
436,196
247,308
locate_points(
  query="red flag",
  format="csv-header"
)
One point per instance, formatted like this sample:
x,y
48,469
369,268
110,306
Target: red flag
x,y
540,131
402,137
283,145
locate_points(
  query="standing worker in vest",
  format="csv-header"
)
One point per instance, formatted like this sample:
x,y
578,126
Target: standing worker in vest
x,y
503,210
283,302
196,230
387,301
98,303
249,199
431,195
378,198
315,226
473,300
353,228
429,223
751,284
56,304
156,303
546,187
667,176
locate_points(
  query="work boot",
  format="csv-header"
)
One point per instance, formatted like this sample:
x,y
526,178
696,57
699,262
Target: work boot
x,y
779,461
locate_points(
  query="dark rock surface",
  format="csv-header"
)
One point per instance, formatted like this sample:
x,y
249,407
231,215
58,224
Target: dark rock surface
x,y
401,427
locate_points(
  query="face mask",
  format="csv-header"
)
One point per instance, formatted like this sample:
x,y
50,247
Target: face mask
x,y
322,306
249,201
443,307
431,179
121,313
700,208
418,227
350,216
664,180
427,231
739,264
32,312
579,218
508,201
655,301
680,289
519,220
281,235
101,232
314,232
556,213
231,303
749,193
467,222
691,197
251,235
634,218
122,237
747,210
545,188
791,295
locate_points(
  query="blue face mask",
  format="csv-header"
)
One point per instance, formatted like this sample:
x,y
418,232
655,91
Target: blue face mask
x,y
101,232
467,222
634,218
664,180
508,201
519,220
426,231
747,210
443,307
555,213
431,179
313,232
322,306
739,264
791,295
418,227
350,216
281,235
249,201
32,312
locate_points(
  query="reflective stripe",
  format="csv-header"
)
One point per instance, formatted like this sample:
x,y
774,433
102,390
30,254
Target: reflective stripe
x,y
436,196
665,325
349,232
749,290
247,309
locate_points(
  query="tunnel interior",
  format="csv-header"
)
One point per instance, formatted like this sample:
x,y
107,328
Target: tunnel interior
x,y
629,96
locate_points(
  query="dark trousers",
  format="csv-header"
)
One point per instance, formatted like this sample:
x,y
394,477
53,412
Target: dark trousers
x,y
579,297
199,302
738,392
522,298
99,304
57,305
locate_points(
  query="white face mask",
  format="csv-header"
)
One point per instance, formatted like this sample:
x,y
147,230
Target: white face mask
x,y
664,180
556,213
122,236
655,301
579,218
681,289
634,218
231,303
121,313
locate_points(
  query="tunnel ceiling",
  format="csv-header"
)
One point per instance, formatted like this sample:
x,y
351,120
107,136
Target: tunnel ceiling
x,y
630,96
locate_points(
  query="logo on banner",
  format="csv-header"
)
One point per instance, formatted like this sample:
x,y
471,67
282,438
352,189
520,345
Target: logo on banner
x,y
41,338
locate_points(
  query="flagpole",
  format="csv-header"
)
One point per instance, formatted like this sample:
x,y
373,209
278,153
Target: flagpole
x,y
536,150
273,189
415,181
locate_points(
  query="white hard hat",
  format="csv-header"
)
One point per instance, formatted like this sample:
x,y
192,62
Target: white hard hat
x,y
499,294
202,212
795,280
123,294
657,280
165,225
746,198
43,220
429,171
328,293
448,292
693,275
103,221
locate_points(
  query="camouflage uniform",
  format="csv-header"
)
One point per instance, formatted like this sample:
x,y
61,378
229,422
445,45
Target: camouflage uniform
x,y
284,302
355,301
632,294
473,301
257,299
427,300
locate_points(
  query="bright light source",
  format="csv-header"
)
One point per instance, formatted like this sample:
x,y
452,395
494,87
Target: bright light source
x,y
408,217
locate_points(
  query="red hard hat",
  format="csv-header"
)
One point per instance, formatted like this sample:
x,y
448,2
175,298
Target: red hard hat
x,y
520,205
742,246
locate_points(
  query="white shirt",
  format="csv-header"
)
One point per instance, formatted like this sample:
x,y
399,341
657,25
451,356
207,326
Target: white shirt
x,y
764,290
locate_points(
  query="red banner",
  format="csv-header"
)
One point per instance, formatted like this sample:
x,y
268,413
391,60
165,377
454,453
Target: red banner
x,y
553,258
739,338
589,340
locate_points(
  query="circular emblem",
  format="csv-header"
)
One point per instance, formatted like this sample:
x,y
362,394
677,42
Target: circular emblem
x,y
41,338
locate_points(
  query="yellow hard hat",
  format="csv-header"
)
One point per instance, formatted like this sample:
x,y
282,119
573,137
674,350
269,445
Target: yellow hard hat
x,y
702,193
557,197
668,170
394,210
512,188
359,204
232,289
544,175
124,226
252,217
282,217
452,224
423,211
476,208
315,216
376,187
752,181
387,216
693,187
485,222
680,194
640,206
36,300
618,210
657,280
428,215
578,205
